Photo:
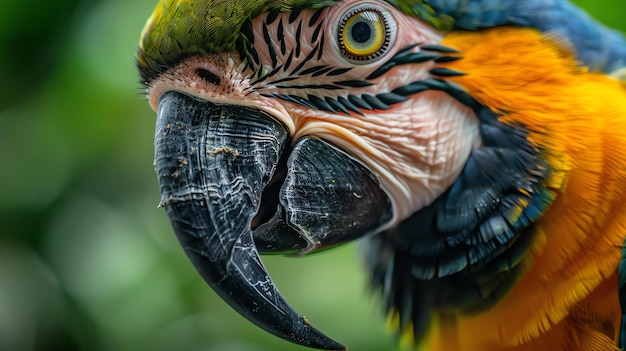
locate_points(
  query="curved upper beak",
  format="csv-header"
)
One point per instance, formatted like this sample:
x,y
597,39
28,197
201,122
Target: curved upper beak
x,y
213,162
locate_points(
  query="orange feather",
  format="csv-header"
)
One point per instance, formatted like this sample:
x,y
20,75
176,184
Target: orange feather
x,y
567,298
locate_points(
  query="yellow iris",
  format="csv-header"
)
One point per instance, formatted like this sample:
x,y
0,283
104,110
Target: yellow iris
x,y
364,34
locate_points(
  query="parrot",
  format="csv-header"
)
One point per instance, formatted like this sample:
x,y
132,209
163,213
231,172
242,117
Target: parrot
x,y
476,149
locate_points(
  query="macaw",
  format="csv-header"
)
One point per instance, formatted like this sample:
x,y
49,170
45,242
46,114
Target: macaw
x,y
477,146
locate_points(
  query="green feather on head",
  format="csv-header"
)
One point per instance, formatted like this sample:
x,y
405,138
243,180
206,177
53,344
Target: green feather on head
x,y
182,28
420,9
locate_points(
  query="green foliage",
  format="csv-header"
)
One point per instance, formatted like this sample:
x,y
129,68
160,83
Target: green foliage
x,y
87,261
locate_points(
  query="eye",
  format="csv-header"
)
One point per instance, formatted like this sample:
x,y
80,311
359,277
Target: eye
x,y
365,33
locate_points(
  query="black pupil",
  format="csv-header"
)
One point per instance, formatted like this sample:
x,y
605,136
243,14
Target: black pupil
x,y
361,32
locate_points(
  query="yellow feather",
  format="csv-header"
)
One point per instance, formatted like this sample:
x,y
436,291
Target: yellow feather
x,y
578,120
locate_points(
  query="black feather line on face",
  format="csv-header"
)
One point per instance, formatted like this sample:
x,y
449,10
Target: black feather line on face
x,y
321,72
445,72
375,102
270,46
271,16
275,71
337,105
439,48
297,37
255,56
349,105
320,104
293,16
289,60
339,71
391,98
402,58
357,101
381,101
315,69
321,51
280,34
306,59
316,16
316,33
446,59
352,103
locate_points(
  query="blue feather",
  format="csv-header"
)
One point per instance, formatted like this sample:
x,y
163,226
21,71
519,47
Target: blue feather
x,y
598,47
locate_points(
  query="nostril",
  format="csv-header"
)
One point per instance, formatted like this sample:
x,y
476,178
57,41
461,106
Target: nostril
x,y
208,76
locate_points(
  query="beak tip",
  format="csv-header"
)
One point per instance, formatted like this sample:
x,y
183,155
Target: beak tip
x,y
317,339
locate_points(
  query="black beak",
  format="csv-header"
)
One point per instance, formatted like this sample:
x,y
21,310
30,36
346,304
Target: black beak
x,y
213,162
216,163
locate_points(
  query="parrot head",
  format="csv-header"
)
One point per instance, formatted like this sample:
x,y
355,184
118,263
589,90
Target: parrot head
x,y
289,127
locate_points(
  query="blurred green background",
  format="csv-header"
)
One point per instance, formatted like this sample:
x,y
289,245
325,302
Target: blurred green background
x,y
87,261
